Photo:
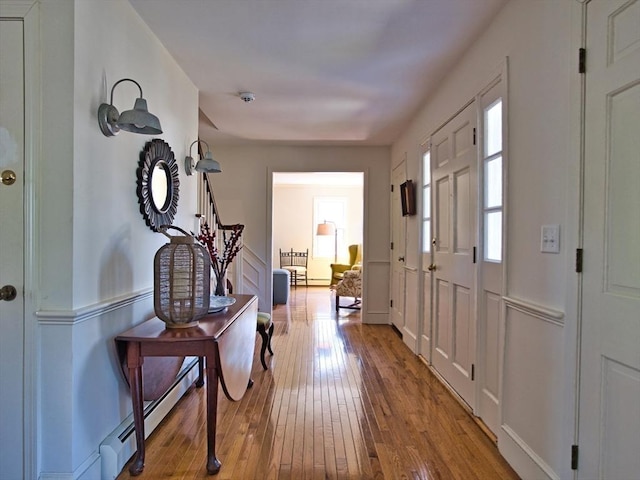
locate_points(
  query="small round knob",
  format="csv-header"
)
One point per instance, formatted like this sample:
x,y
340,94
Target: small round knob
x,y
8,293
8,177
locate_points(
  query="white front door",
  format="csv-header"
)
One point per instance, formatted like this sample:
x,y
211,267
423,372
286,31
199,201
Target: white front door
x,y
398,235
11,249
609,428
454,183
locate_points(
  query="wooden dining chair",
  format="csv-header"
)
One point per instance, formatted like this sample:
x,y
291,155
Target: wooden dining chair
x,y
296,263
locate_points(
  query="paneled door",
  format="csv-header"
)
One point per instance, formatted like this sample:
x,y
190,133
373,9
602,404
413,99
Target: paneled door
x,y
609,428
11,249
454,182
398,236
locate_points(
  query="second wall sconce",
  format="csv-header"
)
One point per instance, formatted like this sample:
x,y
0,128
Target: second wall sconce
x,y
137,120
206,164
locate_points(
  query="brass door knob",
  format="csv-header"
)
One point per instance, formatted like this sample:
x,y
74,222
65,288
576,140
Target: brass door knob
x,y
431,267
8,177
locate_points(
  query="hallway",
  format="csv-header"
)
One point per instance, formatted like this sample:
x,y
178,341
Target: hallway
x,y
340,400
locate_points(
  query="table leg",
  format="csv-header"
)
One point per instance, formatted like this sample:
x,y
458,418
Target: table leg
x,y
213,464
134,362
200,379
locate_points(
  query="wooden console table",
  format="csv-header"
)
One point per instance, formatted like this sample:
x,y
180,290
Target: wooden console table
x,y
225,341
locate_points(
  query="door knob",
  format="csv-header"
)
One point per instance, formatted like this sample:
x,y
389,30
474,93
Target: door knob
x,y
8,177
431,267
8,293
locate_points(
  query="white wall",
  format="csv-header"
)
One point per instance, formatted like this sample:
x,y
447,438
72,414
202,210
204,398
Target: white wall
x,y
293,225
95,250
540,39
246,182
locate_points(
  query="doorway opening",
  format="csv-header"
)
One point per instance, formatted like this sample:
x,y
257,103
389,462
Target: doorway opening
x,y
303,201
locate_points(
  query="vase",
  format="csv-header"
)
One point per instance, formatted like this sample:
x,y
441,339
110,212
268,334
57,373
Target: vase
x,y
221,286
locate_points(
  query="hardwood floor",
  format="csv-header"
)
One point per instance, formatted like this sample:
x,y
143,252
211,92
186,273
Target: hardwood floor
x,y
340,400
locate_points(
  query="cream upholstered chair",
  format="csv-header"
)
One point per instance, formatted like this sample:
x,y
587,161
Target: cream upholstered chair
x,y
350,286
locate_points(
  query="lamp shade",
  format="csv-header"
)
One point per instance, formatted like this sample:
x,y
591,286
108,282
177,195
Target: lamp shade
x,y
208,164
182,276
326,229
139,120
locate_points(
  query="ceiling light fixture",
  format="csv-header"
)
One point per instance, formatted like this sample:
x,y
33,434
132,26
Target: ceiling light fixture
x,y
247,96
204,165
137,120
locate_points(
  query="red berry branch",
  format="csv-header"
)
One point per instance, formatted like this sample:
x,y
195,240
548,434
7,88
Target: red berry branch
x,y
231,242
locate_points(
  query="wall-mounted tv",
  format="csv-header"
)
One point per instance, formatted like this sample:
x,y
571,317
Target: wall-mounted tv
x,y
408,198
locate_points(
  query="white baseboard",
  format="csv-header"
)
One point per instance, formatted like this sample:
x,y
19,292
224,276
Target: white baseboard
x,y
120,445
524,460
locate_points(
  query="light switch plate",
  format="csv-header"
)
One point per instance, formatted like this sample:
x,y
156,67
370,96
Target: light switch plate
x,y
550,239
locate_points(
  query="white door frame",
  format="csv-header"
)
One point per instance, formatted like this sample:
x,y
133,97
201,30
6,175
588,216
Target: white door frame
x,y
28,13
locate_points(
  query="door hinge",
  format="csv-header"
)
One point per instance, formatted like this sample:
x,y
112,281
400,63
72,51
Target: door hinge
x,y
392,188
473,372
578,260
474,135
474,254
582,60
391,303
574,457
391,245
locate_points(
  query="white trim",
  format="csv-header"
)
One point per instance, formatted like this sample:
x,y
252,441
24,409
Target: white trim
x,y
24,10
74,317
533,472
535,310
15,8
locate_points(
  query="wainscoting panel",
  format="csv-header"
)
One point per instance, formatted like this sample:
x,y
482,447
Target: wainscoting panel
x,y
410,330
255,280
376,292
532,397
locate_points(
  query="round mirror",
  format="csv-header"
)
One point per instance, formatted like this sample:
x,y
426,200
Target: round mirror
x,y
158,184
160,178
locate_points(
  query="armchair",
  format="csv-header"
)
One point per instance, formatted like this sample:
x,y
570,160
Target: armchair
x,y
349,286
338,269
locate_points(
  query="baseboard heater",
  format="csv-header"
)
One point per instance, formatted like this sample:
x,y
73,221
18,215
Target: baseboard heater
x,y
120,445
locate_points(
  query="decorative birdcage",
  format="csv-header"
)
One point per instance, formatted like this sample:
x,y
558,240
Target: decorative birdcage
x,y
182,275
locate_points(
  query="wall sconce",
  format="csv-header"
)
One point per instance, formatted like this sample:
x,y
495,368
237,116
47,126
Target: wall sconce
x,y
329,228
138,120
204,165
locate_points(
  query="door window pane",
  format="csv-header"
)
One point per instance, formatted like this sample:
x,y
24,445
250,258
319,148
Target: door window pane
x,y
493,128
493,236
426,202
493,183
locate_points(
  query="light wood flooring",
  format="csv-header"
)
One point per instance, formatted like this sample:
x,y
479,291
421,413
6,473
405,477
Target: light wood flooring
x,y
340,400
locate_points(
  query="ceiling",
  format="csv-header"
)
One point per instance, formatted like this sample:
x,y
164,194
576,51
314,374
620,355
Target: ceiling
x,y
323,72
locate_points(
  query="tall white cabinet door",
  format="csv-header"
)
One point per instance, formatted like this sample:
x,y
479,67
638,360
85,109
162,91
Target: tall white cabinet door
x,y
454,183
609,429
11,249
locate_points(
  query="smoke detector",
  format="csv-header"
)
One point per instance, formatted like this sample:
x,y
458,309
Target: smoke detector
x,y
247,97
